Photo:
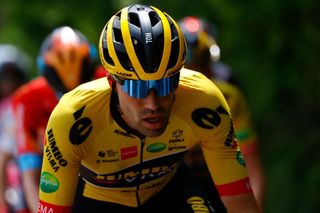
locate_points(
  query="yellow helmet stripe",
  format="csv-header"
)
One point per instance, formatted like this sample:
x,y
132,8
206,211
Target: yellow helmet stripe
x,y
128,42
182,47
117,68
110,47
167,43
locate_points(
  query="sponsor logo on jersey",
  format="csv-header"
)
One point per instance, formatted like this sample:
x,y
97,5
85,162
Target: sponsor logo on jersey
x,y
48,182
53,153
240,158
207,118
123,133
145,173
107,156
177,138
131,178
45,207
198,204
129,152
231,136
156,147
177,133
81,129
170,148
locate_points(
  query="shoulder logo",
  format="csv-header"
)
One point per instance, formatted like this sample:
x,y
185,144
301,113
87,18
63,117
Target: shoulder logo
x,y
240,158
48,183
156,147
81,129
208,118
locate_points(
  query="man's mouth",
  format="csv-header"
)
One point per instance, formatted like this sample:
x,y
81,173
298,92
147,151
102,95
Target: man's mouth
x,y
153,122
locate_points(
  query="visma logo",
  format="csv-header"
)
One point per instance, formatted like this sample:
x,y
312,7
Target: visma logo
x,y
48,183
156,147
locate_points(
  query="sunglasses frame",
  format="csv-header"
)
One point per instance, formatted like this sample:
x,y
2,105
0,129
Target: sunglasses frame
x,y
140,89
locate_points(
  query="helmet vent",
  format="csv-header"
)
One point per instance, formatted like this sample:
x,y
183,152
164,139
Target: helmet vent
x,y
154,18
125,61
117,35
105,49
134,19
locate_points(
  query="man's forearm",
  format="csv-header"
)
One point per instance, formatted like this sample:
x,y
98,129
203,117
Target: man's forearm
x,y
245,203
31,188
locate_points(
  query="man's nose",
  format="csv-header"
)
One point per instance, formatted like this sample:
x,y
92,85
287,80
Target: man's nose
x,y
152,100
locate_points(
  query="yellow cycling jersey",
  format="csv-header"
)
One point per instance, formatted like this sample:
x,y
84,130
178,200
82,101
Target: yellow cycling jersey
x,y
83,138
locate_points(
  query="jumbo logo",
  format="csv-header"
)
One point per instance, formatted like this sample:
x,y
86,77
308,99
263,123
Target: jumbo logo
x,y
81,129
198,204
208,118
156,147
131,177
48,183
53,154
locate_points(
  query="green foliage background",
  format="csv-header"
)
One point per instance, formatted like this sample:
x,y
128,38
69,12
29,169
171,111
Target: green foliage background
x,y
273,47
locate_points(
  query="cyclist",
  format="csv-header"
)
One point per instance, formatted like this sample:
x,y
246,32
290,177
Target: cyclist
x,y
66,59
14,67
125,135
203,50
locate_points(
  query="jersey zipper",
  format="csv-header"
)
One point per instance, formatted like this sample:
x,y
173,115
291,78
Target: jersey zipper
x,y
140,170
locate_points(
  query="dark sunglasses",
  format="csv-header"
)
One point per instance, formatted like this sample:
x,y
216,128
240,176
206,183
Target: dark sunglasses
x,y
140,88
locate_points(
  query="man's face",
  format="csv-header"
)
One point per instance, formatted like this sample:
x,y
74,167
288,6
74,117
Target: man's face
x,y
149,115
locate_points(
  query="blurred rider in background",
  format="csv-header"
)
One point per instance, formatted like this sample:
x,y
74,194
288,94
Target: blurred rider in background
x,y
66,59
14,67
204,55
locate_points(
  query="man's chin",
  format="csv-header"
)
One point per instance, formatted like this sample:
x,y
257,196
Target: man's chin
x,y
153,132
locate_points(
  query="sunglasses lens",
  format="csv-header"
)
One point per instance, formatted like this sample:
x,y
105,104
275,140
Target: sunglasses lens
x,y
140,89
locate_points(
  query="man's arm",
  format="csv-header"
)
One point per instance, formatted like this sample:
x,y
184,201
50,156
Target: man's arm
x,y
59,174
255,172
4,159
248,142
30,181
240,203
228,168
61,163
